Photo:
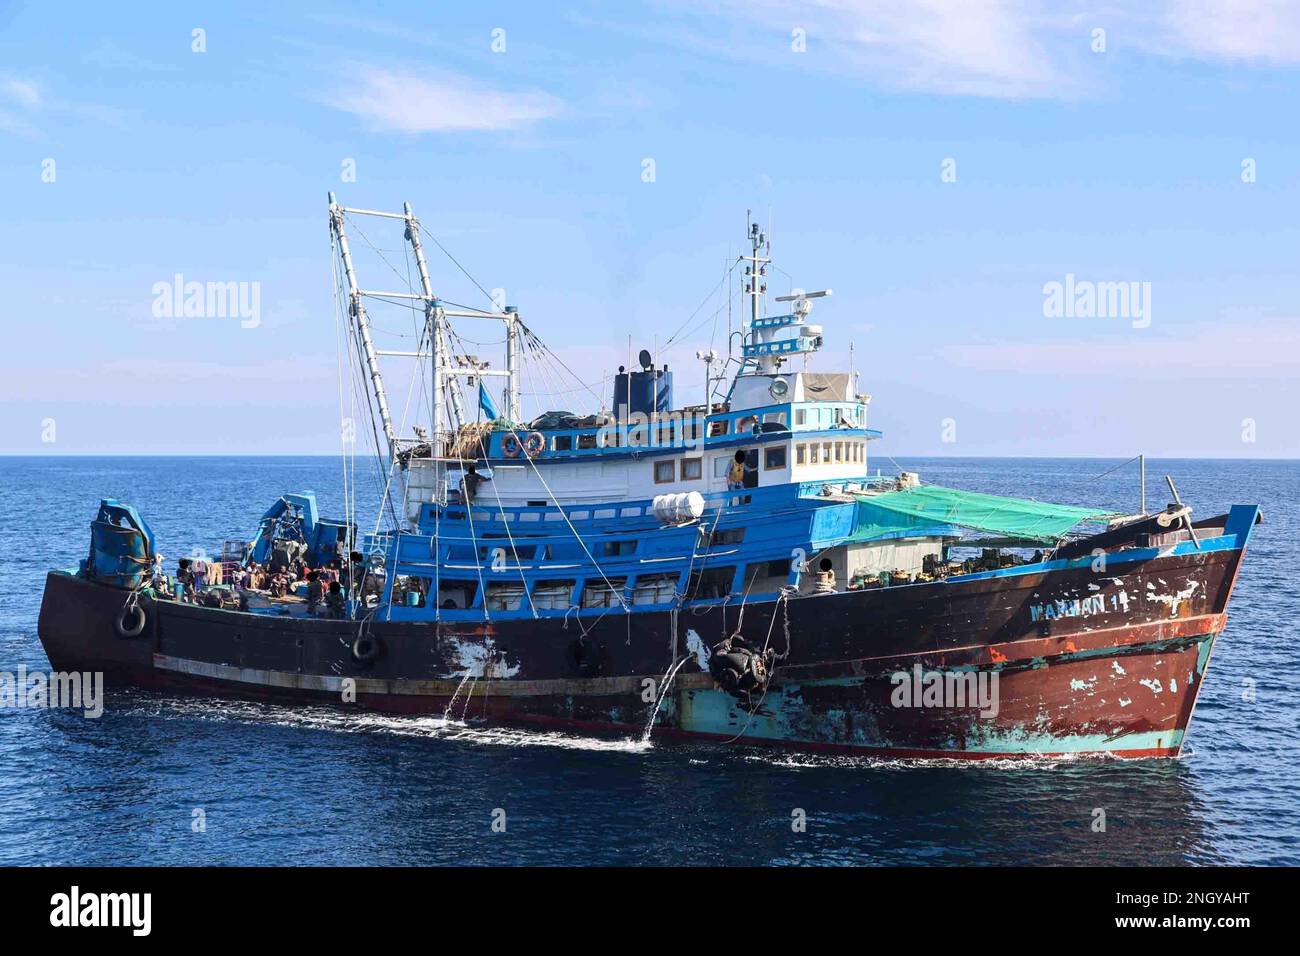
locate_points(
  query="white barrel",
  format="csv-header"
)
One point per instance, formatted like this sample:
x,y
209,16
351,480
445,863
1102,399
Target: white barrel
x,y
678,508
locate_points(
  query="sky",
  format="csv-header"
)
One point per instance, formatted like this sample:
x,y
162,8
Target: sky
x,y
942,166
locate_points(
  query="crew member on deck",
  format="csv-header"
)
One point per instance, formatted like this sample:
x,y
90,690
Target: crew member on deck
x,y
335,606
315,592
469,484
184,580
825,583
736,474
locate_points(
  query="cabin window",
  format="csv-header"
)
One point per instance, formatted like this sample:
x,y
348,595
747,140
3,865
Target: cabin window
x,y
553,595
721,465
774,458
692,469
604,593
800,454
714,539
504,553
801,416
814,454
774,418
766,576
827,456
709,584
454,595
664,472
562,443
587,441
504,596
654,589
410,590
616,548
719,428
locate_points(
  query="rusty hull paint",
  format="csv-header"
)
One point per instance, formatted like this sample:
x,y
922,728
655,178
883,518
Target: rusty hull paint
x,y
1059,691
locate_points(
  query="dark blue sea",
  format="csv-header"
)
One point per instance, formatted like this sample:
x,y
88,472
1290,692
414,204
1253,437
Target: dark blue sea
x,y
285,786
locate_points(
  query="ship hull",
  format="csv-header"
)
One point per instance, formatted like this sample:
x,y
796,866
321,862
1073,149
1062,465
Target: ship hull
x,y
1070,660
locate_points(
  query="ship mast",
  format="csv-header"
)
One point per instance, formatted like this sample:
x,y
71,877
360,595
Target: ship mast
x,y
434,344
756,271
361,324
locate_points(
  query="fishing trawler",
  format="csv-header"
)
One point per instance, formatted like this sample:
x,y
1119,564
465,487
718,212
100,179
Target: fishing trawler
x,y
729,570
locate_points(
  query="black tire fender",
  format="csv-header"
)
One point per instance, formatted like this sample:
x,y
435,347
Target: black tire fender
x,y
365,649
122,623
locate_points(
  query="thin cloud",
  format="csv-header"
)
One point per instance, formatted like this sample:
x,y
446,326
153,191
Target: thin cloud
x,y
1007,49
1265,30
24,93
441,103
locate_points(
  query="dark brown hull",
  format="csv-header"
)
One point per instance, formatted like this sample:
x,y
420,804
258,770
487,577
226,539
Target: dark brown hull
x,y
1116,671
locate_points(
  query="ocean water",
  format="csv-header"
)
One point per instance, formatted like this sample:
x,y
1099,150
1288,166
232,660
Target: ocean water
x,y
279,785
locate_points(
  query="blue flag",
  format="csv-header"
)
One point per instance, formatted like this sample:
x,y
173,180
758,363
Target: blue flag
x,y
485,402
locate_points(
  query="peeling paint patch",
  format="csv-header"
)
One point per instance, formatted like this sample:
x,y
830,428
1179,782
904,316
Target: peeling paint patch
x,y
1153,684
1118,670
479,660
698,649
1174,600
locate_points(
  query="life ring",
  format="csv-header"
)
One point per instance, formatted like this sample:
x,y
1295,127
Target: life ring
x,y
511,446
365,649
534,444
127,613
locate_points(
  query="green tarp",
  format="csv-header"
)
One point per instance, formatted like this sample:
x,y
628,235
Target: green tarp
x,y
931,505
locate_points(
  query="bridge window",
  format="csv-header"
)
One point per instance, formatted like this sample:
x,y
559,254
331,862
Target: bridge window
x,y
587,441
692,469
664,472
774,458
800,454
719,428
